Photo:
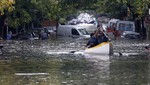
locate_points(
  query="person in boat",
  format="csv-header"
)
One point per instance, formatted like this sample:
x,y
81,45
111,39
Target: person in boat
x,y
96,38
93,41
101,37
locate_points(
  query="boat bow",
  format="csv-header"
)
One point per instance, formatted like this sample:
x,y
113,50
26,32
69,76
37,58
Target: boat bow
x,y
105,48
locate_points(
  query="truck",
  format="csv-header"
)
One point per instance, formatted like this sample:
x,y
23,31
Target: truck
x,y
117,27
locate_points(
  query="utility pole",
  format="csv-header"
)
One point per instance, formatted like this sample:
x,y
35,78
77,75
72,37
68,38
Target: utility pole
x,y
148,26
147,23
6,23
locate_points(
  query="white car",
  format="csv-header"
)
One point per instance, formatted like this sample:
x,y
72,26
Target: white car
x,y
130,35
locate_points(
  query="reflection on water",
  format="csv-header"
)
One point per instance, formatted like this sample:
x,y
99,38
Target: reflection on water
x,y
28,64
73,70
129,73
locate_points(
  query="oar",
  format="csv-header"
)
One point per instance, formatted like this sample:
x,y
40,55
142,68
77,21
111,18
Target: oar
x,y
109,39
147,47
73,51
104,33
1,46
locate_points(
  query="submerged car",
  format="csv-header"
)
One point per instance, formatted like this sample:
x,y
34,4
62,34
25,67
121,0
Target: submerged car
x,y
28,36
130,35
73,31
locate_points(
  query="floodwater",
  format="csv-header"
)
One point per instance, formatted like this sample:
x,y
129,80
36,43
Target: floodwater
x,y
50,62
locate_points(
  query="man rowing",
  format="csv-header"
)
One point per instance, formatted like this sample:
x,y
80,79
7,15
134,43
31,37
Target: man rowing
x,y
96,38
93,41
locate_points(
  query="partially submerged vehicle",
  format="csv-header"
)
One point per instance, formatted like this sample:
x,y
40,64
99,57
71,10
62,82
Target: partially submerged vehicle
x,y
73,31
117,27
130,35
89,27
105,48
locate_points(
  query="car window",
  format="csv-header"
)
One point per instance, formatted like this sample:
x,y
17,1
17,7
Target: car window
x,y
74,32
125,27
83,31
129,27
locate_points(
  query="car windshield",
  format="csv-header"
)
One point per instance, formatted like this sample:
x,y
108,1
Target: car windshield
x,y
83,32
126,27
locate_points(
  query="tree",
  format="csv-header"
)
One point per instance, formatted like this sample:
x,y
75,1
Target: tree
x,y
6,5
28,11
123,7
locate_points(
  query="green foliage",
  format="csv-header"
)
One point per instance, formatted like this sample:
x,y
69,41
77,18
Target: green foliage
x,y
6,5
27,11
14,22
120,8
19,17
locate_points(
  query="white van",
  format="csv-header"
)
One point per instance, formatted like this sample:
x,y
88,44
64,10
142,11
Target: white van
x,y
74,31
121,25
89,27
112,22
126,26
118,27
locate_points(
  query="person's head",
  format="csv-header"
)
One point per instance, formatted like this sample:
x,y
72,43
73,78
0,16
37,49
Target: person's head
x,y
100,32
100,25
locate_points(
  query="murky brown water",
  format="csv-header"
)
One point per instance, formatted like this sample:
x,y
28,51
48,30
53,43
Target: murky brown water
x,y
27,63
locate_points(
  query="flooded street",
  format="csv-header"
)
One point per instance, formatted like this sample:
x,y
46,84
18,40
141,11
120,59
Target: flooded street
x,y
50,62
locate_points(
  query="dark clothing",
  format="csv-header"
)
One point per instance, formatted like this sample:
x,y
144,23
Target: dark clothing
x,y
102,39
43,35
92,42
96,40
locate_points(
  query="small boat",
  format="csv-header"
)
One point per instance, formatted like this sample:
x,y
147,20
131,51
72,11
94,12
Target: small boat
x,y
105,48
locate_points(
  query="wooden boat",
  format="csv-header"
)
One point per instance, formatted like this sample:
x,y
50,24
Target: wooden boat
x,y
105,48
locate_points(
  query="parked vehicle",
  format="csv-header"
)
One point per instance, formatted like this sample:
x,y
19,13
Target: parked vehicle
x,y
116,27
89,27
112,22
74,31
130,35
28,36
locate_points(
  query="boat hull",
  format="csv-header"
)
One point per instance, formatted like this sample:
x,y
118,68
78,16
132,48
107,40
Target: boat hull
x,y
105,48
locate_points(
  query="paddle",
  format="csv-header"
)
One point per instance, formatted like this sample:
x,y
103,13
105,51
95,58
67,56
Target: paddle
x,y
147,47
1,46
99,28
73,51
